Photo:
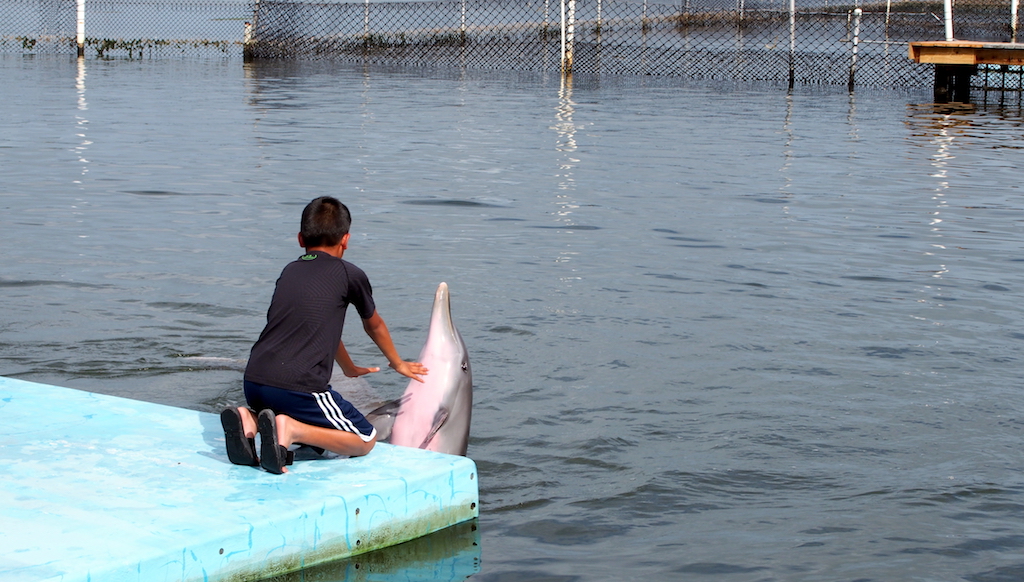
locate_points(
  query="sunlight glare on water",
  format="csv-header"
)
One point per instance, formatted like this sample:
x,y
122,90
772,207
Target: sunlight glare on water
x,y
716,332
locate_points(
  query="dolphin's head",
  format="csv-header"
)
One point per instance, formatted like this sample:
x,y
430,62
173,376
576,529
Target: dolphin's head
x,y
443,339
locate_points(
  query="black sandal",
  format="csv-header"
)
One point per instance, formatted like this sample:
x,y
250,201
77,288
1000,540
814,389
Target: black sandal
x,y
241,450
273,457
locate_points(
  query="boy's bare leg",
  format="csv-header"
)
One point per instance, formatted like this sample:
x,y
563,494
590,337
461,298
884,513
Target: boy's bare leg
x,y
290,431
248,422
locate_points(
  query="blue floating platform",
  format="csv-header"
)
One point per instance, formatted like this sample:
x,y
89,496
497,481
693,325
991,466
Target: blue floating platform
x,y
98,487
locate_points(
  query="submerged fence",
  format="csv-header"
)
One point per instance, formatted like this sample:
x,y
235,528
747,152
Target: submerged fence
x,y
124,28
802,42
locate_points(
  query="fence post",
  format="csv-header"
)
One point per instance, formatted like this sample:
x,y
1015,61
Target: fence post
x,y
366,21
888,11
571,33
1013,21
462,24
792,43
856,41
81,28
561,25
948,18
568,35
247,52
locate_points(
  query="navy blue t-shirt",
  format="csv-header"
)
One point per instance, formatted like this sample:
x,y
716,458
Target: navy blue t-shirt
x,y
296,349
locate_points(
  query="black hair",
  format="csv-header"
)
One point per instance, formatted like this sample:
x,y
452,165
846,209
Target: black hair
x,y
325,220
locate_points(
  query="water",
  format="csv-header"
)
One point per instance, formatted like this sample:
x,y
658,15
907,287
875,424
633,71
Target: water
x,y
717,333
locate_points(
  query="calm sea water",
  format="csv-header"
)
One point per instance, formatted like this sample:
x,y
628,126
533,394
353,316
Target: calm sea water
x,y
717,333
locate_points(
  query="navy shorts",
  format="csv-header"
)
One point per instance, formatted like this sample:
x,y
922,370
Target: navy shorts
x,y
327,409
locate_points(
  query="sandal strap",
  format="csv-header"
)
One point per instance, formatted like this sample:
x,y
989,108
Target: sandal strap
x,y
287,455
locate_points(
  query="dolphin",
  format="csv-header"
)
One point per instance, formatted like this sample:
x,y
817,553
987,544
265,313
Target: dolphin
x,y
435,414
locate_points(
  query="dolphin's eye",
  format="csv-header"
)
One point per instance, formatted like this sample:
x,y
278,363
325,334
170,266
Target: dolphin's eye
x,y
465,366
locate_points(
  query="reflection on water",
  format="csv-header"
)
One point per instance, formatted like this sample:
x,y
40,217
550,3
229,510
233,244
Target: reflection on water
x,y
81,122
450,555
787,148
566,196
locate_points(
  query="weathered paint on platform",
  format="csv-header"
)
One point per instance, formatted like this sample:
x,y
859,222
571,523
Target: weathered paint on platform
x,y
97,487
964,52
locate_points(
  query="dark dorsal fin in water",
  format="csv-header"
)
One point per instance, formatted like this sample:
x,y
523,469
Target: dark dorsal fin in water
x,y
387,408
383,417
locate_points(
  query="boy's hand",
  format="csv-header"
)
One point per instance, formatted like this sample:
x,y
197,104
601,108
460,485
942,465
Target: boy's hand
x,y
410,370
357,371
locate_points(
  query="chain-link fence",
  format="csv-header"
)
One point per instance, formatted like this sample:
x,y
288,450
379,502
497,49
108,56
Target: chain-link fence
x,y
125,28
807,42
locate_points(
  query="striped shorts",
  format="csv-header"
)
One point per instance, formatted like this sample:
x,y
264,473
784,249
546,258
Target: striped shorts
x,y
327,409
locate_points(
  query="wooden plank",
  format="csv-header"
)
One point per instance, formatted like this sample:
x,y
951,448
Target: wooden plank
x,y
960,52
987,56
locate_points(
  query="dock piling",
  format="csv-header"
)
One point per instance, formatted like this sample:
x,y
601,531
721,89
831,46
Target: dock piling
x,y
953,83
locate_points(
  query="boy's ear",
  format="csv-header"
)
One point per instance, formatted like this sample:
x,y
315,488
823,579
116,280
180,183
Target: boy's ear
x,y
344,241
302,241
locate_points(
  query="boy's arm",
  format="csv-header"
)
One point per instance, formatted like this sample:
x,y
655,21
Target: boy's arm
x,y
378,332
348,366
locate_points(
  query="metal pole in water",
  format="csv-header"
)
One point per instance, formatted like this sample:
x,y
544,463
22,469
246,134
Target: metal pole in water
x,y
888,11
570,35
856,41
792,43
248,43
1013,20
948,18
366,20
562,25
81,28
247,52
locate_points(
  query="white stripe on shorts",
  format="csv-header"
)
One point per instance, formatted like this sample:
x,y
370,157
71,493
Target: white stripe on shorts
x,y
333,413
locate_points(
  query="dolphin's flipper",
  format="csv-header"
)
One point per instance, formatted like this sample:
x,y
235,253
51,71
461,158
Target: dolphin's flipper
x,y
439,419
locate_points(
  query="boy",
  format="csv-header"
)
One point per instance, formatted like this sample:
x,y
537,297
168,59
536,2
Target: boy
x,y
290,365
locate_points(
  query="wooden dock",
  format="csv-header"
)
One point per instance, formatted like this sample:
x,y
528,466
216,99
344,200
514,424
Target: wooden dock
x,y
965,52
957,60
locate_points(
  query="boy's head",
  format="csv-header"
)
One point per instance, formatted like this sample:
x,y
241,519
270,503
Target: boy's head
x,y
325,221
